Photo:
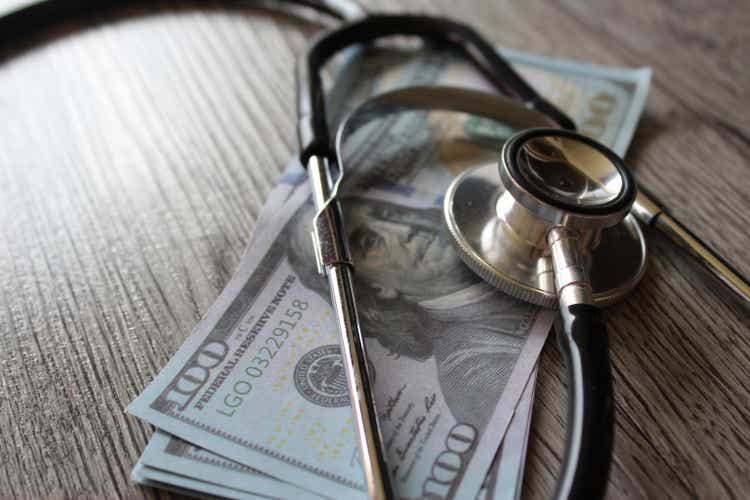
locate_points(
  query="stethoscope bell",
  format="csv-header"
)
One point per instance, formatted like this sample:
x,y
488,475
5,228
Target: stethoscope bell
x,y
550,182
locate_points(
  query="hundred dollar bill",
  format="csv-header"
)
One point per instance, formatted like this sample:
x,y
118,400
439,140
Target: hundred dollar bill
x,y
260,379
605,103
505,477
169,462
162,412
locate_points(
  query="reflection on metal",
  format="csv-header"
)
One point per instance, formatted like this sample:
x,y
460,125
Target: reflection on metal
x,y
569,170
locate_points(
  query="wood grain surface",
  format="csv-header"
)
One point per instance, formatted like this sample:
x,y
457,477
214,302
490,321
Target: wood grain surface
x,y
137,148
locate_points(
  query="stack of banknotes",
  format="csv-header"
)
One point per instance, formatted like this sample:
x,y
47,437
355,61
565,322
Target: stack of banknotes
x,y
254,404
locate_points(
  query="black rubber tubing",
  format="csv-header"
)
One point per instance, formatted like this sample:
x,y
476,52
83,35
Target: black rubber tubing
x,y
583,341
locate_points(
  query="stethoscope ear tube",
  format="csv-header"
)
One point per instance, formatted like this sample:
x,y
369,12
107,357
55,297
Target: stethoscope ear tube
x,y
652,214
583,340
334,261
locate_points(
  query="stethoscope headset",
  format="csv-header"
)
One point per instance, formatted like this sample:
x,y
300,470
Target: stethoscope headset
x,y
544,227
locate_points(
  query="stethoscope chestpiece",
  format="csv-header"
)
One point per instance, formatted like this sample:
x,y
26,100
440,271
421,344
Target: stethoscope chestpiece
x,y
550,182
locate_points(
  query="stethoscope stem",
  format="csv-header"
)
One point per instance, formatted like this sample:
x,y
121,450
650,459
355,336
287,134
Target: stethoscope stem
x,y
652,214
333,260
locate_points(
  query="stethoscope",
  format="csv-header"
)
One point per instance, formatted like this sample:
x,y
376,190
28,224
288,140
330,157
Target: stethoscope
x,y
553,224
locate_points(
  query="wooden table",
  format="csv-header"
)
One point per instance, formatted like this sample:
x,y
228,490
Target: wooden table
x,y
137,149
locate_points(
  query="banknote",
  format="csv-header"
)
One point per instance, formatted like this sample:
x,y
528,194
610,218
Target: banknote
x,y
505,477
170,462
272,439
260,380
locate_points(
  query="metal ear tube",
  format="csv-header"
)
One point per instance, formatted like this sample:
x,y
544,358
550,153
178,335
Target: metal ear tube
x,y
334,261
653,214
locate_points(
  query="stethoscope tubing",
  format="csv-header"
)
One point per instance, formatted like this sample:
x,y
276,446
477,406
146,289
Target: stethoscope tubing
x,y
40,15
584,343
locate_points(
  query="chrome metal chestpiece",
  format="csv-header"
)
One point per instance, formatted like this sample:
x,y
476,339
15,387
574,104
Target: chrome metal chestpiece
x,y
558,208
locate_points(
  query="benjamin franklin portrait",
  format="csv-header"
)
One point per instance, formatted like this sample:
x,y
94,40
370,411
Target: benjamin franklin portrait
x,y
419,300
